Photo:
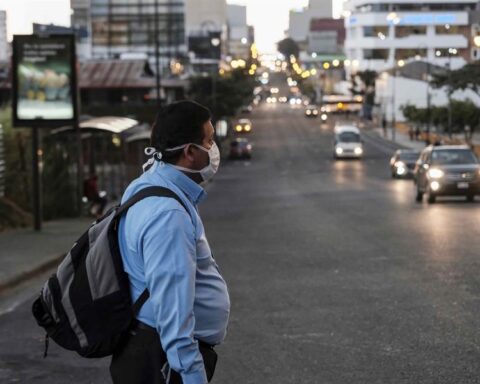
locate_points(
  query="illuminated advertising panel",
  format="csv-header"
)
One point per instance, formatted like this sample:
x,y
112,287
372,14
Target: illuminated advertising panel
x,y
44,80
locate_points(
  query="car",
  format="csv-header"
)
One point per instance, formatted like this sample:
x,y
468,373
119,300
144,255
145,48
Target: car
x,y
402,164
447,170
323,117
348,143
311,111
246,109
243,125
240,148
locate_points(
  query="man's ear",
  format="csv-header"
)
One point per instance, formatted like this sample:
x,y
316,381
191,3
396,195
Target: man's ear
x,y
188,153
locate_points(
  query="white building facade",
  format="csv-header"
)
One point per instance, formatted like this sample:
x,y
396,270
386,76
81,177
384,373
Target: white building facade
x,y
380,34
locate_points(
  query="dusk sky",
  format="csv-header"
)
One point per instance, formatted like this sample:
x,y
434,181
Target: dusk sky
x,y
269,17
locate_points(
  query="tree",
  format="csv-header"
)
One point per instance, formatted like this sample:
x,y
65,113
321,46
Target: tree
x,y
232,91
288,47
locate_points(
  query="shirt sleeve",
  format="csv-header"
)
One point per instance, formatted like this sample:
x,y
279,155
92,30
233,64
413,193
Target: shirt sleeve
x,y
169,255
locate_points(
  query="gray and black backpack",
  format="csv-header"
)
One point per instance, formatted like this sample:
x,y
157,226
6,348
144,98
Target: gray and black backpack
x,y
86,305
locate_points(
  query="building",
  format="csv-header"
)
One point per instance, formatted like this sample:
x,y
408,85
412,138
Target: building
x,y
240,35
4,48
81,21
207,34
299,22
205,14
380,34
326,36
133,29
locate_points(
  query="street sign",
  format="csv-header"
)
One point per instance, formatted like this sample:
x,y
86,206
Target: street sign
x,y
44,80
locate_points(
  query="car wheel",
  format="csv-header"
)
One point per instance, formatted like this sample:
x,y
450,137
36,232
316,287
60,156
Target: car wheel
x,y
470,198
419,196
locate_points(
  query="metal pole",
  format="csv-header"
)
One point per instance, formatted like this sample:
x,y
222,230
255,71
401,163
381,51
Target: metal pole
x,y
157,56
80,167
37,183
428,102
449,95
394,112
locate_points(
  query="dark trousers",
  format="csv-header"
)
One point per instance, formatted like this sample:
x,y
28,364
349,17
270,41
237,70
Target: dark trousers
x,y
141,360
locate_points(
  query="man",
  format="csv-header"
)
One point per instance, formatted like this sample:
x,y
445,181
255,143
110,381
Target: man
x,y
164,249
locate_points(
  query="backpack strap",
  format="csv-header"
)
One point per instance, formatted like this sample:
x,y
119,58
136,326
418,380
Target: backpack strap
x,y
149,192
144,193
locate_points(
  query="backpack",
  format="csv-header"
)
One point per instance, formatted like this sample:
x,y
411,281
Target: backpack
x,y
86,305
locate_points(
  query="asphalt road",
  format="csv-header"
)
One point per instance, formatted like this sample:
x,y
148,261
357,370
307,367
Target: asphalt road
x,y
335,274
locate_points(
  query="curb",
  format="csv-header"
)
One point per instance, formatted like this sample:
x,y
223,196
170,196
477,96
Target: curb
x,y
28,275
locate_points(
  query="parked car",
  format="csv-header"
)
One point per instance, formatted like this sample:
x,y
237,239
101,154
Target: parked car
x,y
348,143
240,148
311,111
243,125
447,171
402,164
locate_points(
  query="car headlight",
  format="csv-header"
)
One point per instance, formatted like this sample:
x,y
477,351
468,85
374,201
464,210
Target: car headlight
x,y
309,112
435,186
324,117
248,128
238,128
358,151
435,173
400,164
339,150
315,112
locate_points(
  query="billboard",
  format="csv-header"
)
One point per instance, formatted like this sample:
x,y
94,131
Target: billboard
x,y
44,80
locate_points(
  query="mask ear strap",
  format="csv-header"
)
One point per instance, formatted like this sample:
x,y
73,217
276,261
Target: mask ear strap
x,y
155,155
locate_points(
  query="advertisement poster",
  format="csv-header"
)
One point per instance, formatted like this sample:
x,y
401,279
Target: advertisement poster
x,y
44,80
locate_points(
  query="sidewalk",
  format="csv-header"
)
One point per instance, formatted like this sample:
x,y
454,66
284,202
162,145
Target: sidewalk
x,y
25,253
401,139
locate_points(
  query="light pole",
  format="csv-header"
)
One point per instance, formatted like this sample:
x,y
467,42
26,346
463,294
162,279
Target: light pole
x,y
215,41
451,51
399,64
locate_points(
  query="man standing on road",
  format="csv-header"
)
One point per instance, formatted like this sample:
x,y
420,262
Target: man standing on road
x,y
164,248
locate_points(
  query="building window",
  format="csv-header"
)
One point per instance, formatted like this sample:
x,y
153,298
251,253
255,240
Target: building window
x,y
405,54
380,32
376,54
401,32
447,29
447,52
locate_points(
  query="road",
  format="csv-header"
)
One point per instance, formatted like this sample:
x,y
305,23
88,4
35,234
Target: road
x,y
335,274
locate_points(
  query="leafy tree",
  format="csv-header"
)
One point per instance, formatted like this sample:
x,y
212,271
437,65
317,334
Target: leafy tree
x,y
288,47
232,91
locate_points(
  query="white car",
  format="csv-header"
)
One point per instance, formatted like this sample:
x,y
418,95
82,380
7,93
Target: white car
x,y
348,143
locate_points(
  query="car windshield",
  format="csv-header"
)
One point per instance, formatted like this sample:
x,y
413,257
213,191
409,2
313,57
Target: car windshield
x,y
409,156
453,156
348,137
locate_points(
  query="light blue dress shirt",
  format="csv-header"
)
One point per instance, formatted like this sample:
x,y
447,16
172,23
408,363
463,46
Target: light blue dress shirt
x,y
165,249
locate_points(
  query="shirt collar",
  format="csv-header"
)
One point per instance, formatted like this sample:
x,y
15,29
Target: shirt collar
x,y
194,191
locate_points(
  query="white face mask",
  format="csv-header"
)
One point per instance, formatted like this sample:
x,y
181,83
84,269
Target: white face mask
x,y
211,169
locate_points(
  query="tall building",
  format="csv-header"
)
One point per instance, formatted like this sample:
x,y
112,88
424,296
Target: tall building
x,y
299,22
239,33
116,28
206,28
81,21
4,51
205,14
381,33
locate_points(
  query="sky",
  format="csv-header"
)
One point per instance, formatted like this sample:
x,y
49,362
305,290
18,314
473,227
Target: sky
x,y
269,17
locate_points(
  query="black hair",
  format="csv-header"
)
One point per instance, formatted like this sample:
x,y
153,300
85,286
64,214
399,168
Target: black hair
x,y
177,124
